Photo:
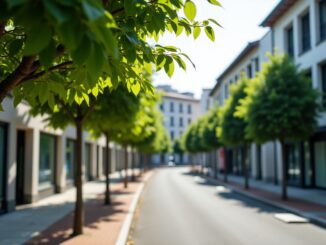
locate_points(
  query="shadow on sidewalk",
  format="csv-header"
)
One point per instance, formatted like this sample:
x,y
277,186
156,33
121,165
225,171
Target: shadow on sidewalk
x,y
95,213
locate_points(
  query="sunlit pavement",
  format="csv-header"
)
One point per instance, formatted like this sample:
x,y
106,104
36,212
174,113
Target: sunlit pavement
x,y
179,208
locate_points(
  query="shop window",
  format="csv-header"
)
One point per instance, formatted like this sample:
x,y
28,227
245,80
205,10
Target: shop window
x,y
70,159
47,160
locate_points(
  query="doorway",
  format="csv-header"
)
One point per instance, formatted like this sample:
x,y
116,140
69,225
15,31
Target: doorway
x,y
20,167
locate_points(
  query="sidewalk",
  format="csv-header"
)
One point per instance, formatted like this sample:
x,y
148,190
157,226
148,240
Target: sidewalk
x,y
49,221
309,203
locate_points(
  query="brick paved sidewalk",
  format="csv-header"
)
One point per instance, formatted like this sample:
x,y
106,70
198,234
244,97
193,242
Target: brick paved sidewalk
x,y
316,213
102,223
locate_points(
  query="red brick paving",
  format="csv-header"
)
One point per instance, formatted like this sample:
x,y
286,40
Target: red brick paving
x,y
102,223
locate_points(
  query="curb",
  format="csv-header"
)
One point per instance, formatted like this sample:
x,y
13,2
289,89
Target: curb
x,y
124,231
311,218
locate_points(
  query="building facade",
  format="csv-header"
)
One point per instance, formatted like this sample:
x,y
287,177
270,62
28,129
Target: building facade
x,y
179,111
298,28
37,161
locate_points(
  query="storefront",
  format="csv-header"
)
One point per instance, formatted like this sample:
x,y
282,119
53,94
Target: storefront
x,y
320,160
3,150
47,161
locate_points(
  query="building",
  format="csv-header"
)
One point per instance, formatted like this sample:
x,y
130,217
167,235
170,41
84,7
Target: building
x,y
206,102
38,161
179,110
297,27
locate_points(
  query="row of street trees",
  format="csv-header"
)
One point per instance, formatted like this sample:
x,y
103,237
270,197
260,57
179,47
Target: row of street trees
x,y
279,104
68,58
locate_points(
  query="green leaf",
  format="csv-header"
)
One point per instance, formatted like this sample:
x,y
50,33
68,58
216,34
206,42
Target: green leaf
x,y
86,98
169,66
37,39
135,88
47,55
43,93
190,10
210,33
15,46
215,22
56,11
81,53
197,31
92,12
95,91
214,2
51,101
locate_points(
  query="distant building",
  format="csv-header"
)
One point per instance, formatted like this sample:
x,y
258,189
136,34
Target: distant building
x,y
179,110
206,102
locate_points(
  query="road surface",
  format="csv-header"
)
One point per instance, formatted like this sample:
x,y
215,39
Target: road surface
x,y
177,208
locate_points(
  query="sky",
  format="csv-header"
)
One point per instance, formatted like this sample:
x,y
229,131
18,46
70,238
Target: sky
x,y
240,20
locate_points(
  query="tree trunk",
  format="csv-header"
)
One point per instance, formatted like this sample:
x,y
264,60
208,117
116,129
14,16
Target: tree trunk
x,y
245,166
284,177
226,160
107,200
79,206
126,166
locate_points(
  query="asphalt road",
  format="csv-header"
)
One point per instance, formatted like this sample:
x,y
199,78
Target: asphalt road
x,y
180,209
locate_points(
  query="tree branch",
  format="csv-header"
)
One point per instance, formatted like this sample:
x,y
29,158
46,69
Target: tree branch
x,y
42,73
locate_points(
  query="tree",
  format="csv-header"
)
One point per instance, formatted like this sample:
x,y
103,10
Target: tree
x,y
232,129
114,110
281,105
177,148
210,139
91,36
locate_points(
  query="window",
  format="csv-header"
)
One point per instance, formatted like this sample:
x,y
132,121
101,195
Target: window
x,y
189,109
171,121
88,160
171,107
256,61
289,41
3,178
226,91
189,121
249,71
181,108
70,159
162,107
172,135
322,20
181,122
323,84
236,78
305,33
47,161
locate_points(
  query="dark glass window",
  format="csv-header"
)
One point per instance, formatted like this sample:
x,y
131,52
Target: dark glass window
x,y
236,79
70,158
88,160
322,19
289,41
323,84
47,160
257,64
181,122
162,107
180,108
189,109
172,135
305,32
249,71
3,143
171,121
171,107
189,121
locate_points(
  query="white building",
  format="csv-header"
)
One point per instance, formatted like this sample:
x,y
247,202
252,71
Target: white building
x,y
179,110
37,161
297,27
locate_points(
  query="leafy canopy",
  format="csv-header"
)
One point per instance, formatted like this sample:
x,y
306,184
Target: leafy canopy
x,y
281,103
